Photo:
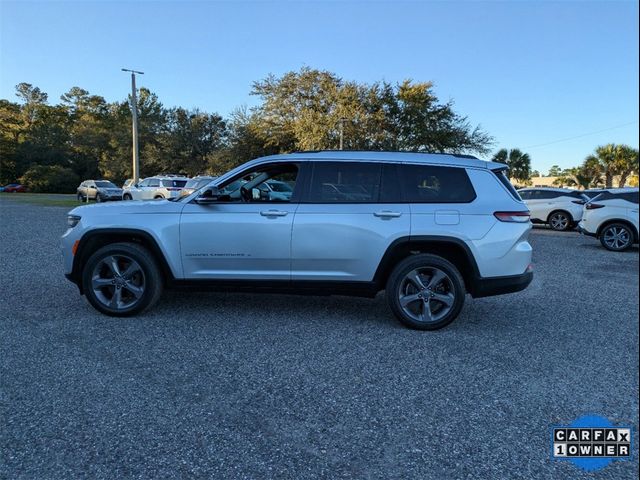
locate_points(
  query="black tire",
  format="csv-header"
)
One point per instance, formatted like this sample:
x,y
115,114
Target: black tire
x,y
453,284
560,221
99,198
80,197
152,282
617,237
158,197
127,196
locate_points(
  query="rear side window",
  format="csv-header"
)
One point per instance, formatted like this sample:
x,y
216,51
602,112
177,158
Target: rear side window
x,y
153,182
430,184
630,197
504,180
173,183
345,182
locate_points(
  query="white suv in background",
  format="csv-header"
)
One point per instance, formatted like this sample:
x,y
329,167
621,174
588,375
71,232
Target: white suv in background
x,y
612,217
155,188
560,208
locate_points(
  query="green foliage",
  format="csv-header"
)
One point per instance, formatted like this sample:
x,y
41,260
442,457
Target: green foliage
x,y
519,164
554,171
50,179
614,160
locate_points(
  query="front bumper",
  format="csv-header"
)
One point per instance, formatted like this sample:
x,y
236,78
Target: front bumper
x,y
490,286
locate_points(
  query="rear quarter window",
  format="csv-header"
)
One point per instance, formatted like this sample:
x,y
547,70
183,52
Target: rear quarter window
x,y
504,180
434,184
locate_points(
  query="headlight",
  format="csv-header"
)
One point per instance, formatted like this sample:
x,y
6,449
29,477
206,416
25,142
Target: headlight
x,y
72,220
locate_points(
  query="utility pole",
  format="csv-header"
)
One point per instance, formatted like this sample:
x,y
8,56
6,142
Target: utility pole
x,y
134,128
342,120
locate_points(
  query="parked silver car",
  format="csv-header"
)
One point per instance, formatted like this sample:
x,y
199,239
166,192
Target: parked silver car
x,y
98,190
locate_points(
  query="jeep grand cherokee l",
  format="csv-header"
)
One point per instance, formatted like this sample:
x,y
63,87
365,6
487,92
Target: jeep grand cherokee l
x,y
427,228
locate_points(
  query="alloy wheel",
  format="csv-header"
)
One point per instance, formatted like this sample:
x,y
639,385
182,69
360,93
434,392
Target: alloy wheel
x,y
426,294
617,238
559,221
118,282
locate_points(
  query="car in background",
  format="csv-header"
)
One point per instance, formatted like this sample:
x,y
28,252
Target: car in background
x,y
127,183
612,218
156,188
98,190
195,183
14,188
560,208
593,192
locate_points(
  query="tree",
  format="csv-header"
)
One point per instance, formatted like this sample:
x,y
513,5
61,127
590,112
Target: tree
x,y
535,173
519,163
303,111
554,171
615,160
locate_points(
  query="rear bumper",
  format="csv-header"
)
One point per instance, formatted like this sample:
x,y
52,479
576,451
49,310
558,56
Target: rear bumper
x,y
583,231
490,286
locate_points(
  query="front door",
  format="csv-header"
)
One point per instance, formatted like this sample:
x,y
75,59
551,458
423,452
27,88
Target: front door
x,y
246,235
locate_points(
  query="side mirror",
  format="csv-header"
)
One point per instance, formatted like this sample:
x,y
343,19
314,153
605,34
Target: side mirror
x,y
209,196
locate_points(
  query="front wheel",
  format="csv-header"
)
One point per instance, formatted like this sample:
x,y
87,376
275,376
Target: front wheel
x,y
122,279
616,237
425,292
80,197
127,196
560,221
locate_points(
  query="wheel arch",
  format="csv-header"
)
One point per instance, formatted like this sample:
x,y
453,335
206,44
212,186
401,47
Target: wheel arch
x,y
98,238
450,248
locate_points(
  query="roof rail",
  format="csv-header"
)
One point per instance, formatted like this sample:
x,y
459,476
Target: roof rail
x,y
457,155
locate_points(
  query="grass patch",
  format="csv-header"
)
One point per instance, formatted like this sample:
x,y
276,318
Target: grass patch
x,y
44,199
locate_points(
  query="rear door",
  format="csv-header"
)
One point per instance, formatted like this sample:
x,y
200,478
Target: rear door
x,y
350,213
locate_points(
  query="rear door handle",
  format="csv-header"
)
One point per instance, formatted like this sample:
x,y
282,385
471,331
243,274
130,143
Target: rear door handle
x,y
273,213
387,214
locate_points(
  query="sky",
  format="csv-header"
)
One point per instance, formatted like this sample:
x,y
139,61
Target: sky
x,y
555,79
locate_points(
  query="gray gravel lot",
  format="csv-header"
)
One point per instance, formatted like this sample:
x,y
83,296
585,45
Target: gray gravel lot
x,y
259,386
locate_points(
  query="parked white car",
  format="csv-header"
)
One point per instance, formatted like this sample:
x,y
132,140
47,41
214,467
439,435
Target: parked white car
x,y
612,217
560,208
155,188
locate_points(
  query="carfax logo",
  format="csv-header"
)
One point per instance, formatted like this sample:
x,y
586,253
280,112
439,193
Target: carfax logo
x,y
591,442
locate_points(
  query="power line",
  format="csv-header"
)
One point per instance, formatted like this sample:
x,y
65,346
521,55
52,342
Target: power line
x,y
579,136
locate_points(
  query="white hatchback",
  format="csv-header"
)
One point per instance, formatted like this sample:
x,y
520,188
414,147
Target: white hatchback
x,y
612,217
560,208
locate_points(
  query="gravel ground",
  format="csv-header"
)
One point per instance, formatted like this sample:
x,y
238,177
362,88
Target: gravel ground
x,y
259,386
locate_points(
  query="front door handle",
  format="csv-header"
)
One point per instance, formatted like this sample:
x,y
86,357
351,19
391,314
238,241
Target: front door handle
x,y
387,214
273,213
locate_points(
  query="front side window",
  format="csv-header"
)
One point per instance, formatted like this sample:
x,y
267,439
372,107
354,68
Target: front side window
x,y
144,183
105,185
154,183
272,183
432,184
345,182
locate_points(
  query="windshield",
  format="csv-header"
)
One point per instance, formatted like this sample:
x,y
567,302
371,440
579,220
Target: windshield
x,y
105,185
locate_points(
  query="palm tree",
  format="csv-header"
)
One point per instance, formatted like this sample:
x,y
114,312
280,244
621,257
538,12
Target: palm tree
x,y
519,163
615,160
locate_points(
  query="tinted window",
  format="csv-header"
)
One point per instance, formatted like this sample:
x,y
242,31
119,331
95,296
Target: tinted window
x,y
390,191
345,182
427,184
271,183
173,183
547,194
153,182
105,185
630,197
526,195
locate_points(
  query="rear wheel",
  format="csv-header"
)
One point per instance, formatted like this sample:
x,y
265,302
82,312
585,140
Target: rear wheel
x,y
127,196
616,237
560,221
425,292
99,198
122,279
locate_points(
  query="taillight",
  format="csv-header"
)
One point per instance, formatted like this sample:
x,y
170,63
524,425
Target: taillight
x,y
513,217
593,206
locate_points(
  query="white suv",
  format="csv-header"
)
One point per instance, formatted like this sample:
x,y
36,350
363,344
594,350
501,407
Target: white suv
x,y
560,208
612,217
426,228
155,188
